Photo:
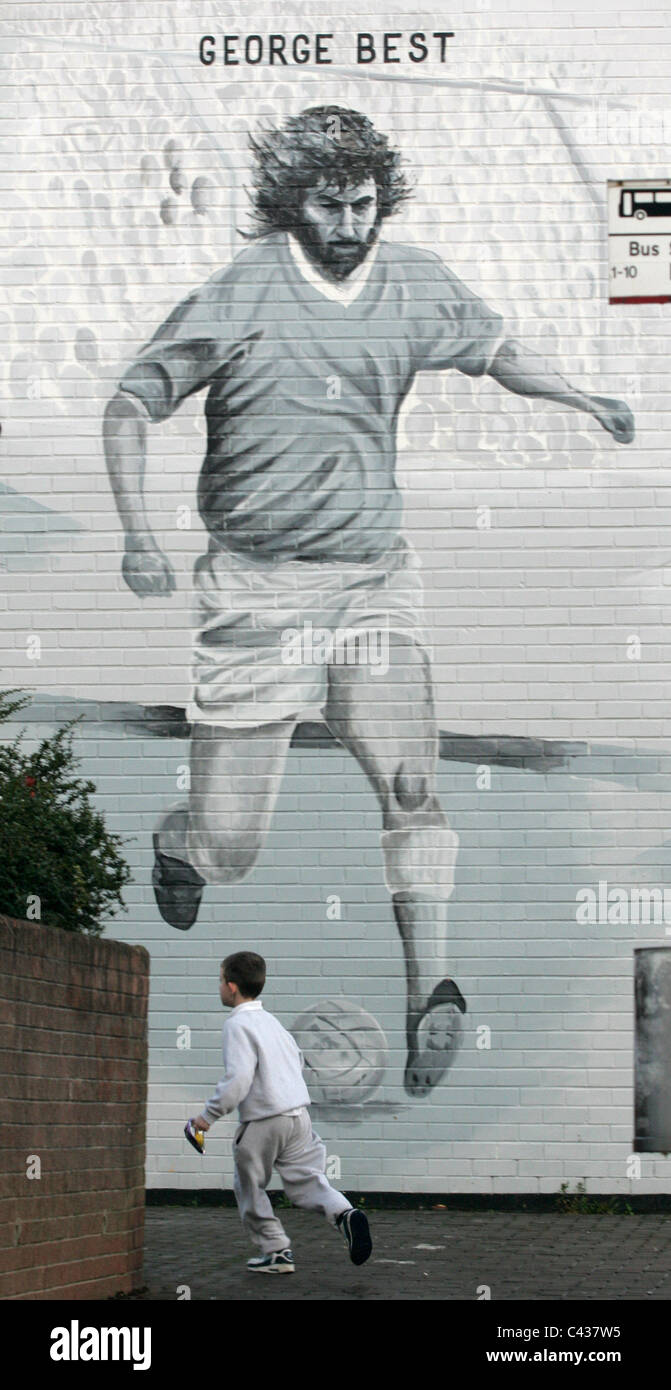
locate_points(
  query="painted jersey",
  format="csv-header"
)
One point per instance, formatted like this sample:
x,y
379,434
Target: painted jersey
x,y
304,393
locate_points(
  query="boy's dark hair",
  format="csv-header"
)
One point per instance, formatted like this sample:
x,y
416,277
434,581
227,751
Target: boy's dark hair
x,y
329,142
246,970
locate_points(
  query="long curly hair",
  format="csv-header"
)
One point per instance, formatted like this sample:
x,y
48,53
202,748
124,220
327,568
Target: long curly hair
x,y
323,142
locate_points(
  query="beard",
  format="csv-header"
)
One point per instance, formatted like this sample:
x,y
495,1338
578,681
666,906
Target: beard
x,y
340,257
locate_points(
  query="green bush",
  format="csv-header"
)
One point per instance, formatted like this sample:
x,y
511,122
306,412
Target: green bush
x,y
580,1203
53,845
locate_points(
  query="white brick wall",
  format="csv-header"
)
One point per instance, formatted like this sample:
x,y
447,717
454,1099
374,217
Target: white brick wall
x,y
530,617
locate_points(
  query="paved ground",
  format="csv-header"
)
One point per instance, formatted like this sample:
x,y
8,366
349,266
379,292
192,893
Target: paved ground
x,y
416,1255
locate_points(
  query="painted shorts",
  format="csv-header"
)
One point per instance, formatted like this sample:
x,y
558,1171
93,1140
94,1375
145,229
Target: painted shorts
x,y
265,632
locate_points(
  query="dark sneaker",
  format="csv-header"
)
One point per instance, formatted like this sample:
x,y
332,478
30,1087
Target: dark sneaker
x,y
178,889
434,1039
196,1137
278,1262
353,1225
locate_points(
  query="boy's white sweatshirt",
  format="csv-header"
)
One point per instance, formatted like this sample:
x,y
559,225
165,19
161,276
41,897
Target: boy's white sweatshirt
x,y
262,1065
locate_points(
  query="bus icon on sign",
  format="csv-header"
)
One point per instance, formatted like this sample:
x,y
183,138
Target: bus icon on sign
x,y
645,202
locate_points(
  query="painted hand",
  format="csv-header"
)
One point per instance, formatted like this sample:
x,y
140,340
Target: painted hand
x,y
146,570
615,417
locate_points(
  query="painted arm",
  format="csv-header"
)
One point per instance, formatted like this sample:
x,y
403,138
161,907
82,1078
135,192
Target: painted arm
x,y
145,568
528,374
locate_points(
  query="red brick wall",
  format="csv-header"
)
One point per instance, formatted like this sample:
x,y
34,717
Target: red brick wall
x,y
73,1079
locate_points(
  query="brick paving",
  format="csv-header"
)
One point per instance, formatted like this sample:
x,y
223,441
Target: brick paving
x,y
416,1255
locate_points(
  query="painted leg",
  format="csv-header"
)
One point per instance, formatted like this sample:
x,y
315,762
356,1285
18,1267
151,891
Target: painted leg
x,y
434,1015
419,870
216,836
388,723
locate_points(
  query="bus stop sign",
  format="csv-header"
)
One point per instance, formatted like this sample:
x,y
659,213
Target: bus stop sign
x,y
639,241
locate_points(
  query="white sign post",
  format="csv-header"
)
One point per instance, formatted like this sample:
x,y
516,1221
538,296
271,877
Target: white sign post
x,y
639,241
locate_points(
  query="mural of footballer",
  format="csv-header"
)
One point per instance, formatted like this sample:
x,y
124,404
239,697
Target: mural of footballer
x,y
298,495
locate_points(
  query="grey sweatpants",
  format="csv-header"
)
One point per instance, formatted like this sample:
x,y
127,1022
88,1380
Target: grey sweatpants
x,y
289,1144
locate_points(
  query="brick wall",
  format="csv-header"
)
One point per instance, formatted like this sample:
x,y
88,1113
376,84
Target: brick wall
x,y
74,1084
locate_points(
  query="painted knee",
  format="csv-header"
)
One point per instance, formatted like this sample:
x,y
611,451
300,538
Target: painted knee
x,y
223,856
411,789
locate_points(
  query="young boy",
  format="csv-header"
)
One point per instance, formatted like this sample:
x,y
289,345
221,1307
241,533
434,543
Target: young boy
x,y
263,1077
